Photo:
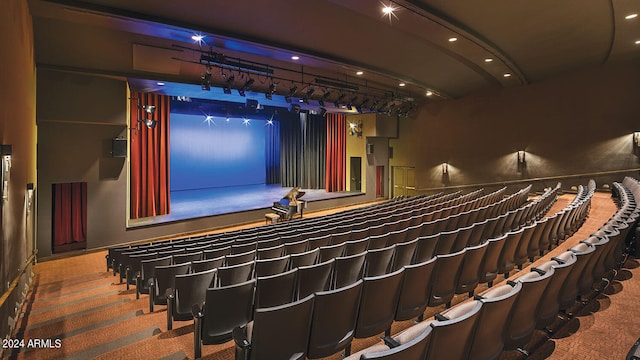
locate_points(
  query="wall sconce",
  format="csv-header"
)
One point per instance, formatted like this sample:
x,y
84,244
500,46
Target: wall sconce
x,y
6,151
636,142
30,191
355,129
522,161
445,168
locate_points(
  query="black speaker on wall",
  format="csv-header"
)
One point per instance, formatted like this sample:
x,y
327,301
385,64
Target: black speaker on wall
x,y
369,149
119,147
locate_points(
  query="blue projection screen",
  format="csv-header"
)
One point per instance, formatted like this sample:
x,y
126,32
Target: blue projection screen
x,y
211,155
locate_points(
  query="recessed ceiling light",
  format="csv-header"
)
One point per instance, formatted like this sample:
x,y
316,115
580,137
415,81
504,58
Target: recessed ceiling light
x,y
429,93
359,72
507,75
294,57
389,11
453,39
488,60
637,42
160,83
402,84
631,16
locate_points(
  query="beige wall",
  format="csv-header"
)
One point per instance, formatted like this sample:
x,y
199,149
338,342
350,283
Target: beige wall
x,y
17,128
580,123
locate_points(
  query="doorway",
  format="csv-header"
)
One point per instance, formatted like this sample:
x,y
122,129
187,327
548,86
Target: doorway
x,y
404,181
379,181
355,164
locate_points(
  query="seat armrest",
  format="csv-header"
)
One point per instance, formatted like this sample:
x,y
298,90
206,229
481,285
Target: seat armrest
x,y
388,340
169,294
240,337
196,311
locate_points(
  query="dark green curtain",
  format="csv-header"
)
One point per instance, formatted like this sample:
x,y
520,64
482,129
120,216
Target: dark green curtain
x,y
314,138
303,142
272,152
290,150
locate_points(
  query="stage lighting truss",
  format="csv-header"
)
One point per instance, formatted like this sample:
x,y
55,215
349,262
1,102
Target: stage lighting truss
x,y
344,94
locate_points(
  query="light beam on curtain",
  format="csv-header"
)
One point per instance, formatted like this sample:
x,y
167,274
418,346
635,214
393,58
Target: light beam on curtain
x,y
336,168
149,180
69,213
272,153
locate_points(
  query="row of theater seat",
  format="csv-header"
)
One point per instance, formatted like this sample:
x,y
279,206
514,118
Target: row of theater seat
x,y
210,273
241,241
505,317
393,297
129,259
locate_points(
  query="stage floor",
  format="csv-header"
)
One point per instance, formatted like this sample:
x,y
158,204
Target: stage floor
x,y
190,204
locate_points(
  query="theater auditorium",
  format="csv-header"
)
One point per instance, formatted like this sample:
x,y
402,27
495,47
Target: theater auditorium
x,y
319,179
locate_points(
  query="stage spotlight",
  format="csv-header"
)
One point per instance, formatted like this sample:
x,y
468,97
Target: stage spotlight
x,y
205,84
294,108
149,109
252,104
322,111
241,92
248,84
339,99
292,90
150,123
287,99
227,86
270,91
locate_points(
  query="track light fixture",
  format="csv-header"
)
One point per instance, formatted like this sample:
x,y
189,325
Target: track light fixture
x,y
227,85
270,91
205,84
339,99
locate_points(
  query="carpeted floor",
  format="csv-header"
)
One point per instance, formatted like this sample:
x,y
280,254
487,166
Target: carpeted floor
x,y
78,302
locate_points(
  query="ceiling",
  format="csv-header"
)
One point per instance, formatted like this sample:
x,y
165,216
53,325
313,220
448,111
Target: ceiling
x,y
149,41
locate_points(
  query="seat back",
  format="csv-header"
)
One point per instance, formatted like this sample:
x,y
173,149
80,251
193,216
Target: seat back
x,y
378,261
414,293
306,258
296,247
445,278
334,320
348,269
488,338
522,250
451,338
318,241
415,348
270,252
331,251
187,257
165,278
356,246
234,274
275,290
190,289
506,261
404,254
522,321
216,252
207,264
241,258
314,278
549,303
148,270
462,239
469,273
445,242
489,266
426,248
569,291
378,303
292,321
273,266
225,308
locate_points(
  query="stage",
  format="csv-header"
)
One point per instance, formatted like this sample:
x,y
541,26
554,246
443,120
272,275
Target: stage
x,y
193,204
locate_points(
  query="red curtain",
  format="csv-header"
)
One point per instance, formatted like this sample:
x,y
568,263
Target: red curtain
x,y
69,213
336,152
149,187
